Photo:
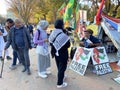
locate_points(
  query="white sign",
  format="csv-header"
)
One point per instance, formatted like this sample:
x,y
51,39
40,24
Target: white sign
x,y
80,60
83,15
103,68
99,55
100,60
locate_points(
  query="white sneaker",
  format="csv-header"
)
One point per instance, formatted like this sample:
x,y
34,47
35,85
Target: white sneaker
x,y
42,75
63,85
48,72
12,67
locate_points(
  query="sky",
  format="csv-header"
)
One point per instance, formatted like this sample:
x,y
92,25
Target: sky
x,y
3,7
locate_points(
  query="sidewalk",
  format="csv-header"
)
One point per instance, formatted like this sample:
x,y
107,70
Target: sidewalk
x,y
16,80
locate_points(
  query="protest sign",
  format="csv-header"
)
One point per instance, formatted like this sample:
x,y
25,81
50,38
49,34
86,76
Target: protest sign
x,y
100,61
80,60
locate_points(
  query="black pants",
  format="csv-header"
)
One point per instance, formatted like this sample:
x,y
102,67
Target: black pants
x,y
61,66
15,56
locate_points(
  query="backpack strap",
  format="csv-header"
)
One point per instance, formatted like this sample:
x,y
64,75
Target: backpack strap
x,y
56,36
38,34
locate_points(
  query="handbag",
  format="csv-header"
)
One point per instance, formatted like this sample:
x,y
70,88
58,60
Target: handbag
x,y
41,50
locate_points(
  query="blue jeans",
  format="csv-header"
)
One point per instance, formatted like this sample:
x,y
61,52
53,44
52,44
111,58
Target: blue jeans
x,y
15,56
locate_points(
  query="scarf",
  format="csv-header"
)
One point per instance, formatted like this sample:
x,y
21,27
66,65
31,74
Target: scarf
x,y
58,38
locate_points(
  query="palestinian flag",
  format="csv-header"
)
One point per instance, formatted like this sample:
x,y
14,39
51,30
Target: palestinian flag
x,y
61,10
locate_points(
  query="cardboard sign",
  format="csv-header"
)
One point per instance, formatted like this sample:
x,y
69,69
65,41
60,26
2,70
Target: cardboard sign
x,y
80,60
103,68
99,55
100,60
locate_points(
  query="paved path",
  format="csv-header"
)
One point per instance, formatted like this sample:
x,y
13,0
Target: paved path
x,y
16,80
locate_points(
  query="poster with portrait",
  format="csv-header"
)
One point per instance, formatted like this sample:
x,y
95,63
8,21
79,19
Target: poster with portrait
x,y
80,60
100,61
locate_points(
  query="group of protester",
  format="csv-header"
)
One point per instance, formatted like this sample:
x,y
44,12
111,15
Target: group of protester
x,y
59,42
18,36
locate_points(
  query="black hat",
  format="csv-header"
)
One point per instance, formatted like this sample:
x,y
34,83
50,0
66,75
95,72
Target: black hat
x,y
59,24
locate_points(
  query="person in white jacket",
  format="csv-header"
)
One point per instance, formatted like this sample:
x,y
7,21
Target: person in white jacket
x,y
3,42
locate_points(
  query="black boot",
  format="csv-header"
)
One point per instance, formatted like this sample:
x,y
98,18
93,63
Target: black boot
x,y
28,71
24,69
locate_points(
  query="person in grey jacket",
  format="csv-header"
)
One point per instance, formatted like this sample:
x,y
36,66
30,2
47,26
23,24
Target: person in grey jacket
x,y
19,38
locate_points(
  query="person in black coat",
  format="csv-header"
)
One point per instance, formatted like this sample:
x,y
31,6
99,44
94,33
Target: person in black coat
x,y
61,55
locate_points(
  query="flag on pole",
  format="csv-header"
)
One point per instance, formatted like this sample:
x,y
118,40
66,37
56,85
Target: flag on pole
x,y
98,15
77,21
68,11
61,10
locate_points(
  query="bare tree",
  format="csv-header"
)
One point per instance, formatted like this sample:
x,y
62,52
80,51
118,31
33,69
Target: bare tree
x,y
22,8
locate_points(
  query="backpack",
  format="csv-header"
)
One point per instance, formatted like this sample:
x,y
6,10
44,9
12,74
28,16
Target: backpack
x,y
34,45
